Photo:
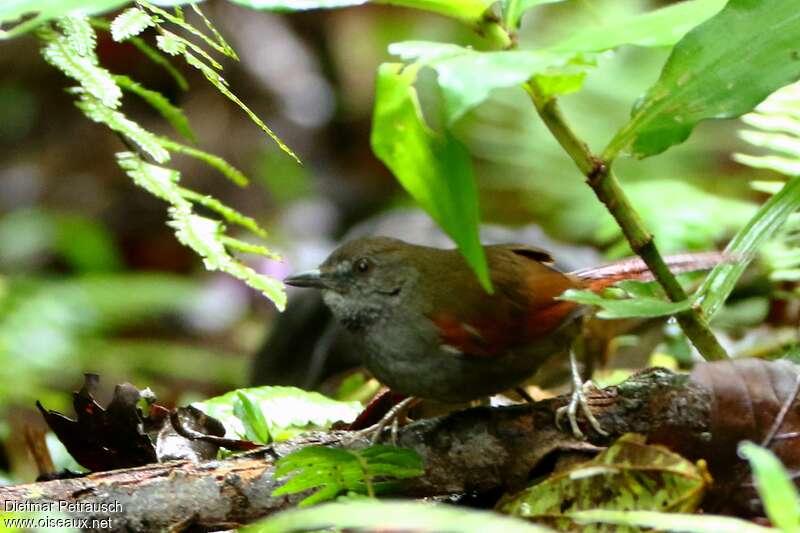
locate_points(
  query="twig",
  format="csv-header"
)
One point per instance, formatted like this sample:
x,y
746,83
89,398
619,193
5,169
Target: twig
x,y
769,438
606,186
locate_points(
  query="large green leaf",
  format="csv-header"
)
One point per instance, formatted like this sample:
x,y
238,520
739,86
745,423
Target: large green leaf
x,y
721,69
467,77
758,230
276,413
662,27
372,515
434,168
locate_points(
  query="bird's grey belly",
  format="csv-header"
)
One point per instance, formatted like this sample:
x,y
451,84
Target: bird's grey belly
x,y
448,377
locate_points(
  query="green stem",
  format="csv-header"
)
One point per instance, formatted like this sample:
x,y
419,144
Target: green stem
x,y
496,34
606,186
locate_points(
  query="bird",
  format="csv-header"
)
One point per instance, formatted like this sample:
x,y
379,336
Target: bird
x,y
427,328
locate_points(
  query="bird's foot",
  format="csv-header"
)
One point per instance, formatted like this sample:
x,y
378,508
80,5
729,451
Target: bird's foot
x,y
577,400
392,417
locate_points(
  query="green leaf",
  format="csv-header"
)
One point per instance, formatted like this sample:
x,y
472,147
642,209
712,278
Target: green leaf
x,y
661,27
286,411
710,74
173,114
778,493
334,471
629,475
759,229
514,9
249,412
434,168
130,23
373,515
684,523
467,77
628,307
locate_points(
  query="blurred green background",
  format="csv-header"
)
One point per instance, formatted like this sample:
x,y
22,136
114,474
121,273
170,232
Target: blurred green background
x,y
91,278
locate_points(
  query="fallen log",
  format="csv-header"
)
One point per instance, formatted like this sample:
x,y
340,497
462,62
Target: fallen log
x,y
477,450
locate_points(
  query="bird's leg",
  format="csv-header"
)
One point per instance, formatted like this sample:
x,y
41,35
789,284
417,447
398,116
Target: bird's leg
x,y
392,417
578,399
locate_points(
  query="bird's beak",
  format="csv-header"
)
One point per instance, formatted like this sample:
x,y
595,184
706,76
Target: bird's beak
x,y
309,278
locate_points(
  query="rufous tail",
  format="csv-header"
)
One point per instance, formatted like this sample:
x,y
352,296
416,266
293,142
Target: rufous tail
x,y
598,278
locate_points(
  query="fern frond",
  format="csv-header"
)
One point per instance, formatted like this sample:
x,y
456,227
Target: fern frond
x,y
80,65
79,35
176,42
222,86
333,471
775,130
229,214
229,51
169,45
153,55
148,51
172,114
775,127
98,112
174,45
205,236
228,170
219,45
130,23
159,181
249,248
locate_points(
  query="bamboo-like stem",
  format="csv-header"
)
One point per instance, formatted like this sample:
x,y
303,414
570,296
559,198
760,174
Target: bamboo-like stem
x,y
606,186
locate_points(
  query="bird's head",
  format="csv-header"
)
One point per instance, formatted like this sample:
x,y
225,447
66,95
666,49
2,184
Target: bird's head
x,y
364,280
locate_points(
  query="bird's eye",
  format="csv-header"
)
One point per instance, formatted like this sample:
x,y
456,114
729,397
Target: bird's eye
x,y
363,265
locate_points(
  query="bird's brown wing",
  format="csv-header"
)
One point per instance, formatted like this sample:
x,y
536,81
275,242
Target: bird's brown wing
x,y
521,309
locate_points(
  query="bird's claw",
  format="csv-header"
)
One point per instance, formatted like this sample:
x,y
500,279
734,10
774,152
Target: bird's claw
x,y
578,399
392,416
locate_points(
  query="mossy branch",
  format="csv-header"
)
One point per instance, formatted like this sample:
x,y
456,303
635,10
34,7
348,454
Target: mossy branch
x,y
606,186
